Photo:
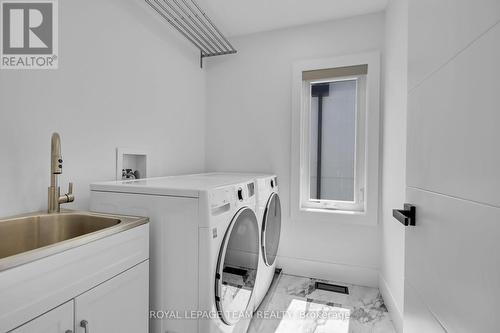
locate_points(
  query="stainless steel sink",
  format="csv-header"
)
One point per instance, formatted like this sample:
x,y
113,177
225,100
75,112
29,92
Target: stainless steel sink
x,y
34,236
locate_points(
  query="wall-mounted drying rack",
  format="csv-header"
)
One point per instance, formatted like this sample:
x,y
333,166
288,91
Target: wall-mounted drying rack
x,y
191,21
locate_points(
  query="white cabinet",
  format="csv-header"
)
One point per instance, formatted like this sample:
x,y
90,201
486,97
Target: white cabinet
x,y
114,267
58,320
117,305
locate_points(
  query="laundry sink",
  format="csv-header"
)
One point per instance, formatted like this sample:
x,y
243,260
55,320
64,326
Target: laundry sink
x,y
33,236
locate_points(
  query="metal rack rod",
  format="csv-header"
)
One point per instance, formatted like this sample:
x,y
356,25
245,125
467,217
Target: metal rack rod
x,y
173,22
194,24
213,25
189,25
218,54
199,30
207,28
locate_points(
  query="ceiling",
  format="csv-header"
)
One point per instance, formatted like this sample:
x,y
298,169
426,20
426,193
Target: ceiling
x,y
241,17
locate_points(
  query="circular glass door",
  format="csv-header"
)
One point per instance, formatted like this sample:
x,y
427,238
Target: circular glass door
x,y
271,229
237,266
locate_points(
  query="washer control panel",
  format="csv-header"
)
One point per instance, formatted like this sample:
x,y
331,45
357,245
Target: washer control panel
x,y
223,199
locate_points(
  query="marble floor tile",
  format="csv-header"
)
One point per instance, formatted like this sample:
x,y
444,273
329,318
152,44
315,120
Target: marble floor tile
x,y
294,305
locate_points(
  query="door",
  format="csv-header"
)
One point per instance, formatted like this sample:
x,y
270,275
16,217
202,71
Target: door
x,y
452,270
271,229
58,320
117,305
237,266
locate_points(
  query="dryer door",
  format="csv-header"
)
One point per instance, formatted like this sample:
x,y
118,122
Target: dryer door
x,y
237,266
271,229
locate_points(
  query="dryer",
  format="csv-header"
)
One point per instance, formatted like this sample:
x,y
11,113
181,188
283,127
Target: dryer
x,y
268,211
205,247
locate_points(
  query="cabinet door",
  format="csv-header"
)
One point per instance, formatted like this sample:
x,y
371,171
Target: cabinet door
x,y
117,305
58,320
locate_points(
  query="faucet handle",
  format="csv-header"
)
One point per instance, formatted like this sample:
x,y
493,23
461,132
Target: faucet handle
x,y
70,196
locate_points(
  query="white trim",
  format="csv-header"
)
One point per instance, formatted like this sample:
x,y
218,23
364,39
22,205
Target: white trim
x,y
362,276
394,311
370,215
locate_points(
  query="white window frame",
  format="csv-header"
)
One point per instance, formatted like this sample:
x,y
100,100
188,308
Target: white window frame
x,y
364,209
359,159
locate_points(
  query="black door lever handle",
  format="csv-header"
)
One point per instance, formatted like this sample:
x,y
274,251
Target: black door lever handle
x,y
405,216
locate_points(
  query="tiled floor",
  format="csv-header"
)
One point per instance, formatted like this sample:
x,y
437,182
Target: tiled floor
x,y
293,305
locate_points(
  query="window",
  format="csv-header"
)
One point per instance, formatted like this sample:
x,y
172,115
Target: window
x,y
334,155
335,135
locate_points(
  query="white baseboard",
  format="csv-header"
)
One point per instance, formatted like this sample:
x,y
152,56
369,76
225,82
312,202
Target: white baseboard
x,y
394,311
363,276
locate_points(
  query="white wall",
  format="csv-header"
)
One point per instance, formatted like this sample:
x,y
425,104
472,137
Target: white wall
x,y
248,129
125,79
391,279
452,272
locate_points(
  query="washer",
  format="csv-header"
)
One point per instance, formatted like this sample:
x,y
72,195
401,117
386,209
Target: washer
x,y
205,247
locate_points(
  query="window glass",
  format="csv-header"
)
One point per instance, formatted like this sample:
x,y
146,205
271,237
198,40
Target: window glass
x,y
333,140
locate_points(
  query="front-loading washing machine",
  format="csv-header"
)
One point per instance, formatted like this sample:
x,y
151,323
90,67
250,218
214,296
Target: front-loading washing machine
x,y
205,247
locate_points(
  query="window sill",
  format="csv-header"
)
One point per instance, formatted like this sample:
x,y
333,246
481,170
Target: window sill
x,y
342,217
331,211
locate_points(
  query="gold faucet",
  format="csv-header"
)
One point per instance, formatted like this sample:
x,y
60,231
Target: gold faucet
x,y
55,197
